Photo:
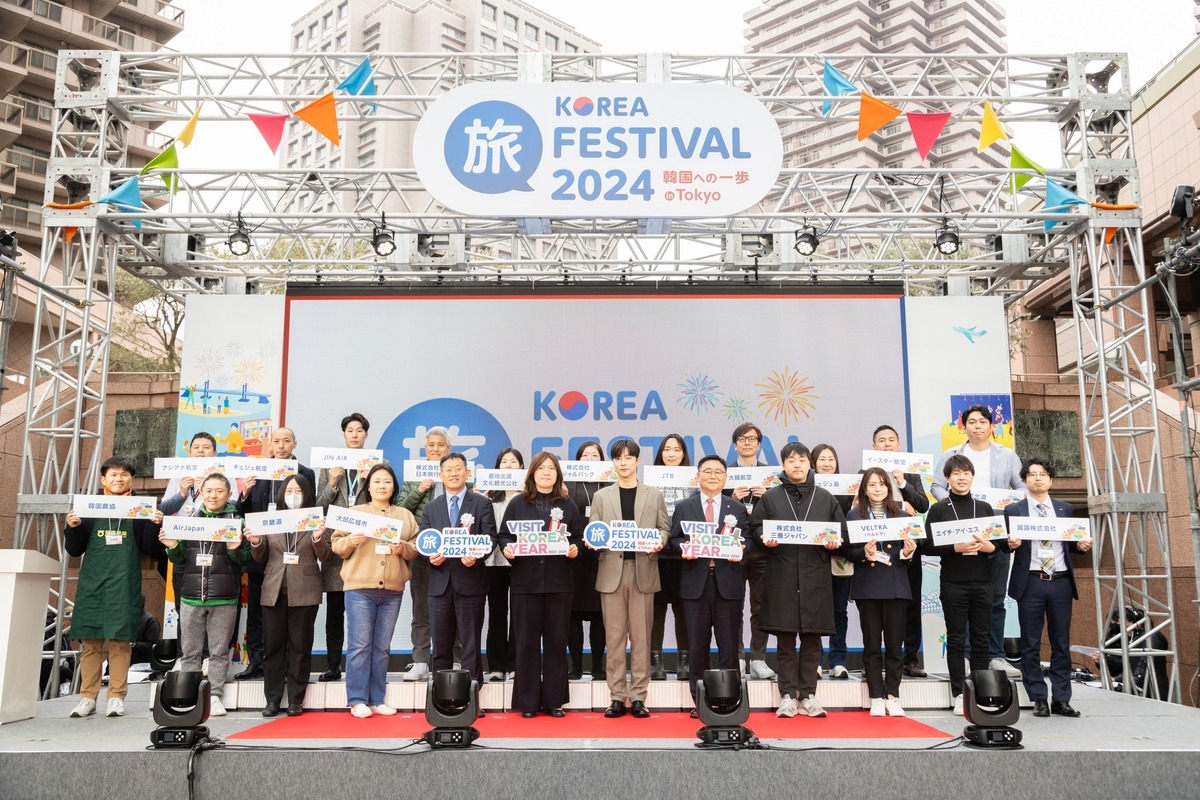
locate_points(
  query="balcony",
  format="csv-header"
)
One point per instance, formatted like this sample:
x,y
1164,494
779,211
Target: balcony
x,y
14,65
157,14
14,16
8,178
11,115
39,117
74,28
31,169
26,221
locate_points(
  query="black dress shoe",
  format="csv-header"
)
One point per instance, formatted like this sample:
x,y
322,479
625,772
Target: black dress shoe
x,y
557,713
615,709
1041,708
528,714
295,710
254,672
694,714
271,710
574,674
482,713
913,671
1063,710
638,709
331,674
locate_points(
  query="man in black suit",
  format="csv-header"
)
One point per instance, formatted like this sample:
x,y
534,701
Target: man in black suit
x,y
256,497
1043,584
713,590
458,586
914,501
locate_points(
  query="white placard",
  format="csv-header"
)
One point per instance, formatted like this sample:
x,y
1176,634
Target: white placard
x,y
737,477
588,471
670,477
107,506
505,480
454,543
375,526
267,469
801,532
622,536
711,540
344,457
289,520
1050,529
892,529
998,499
534,540
920,463
964,530
167,468
202,529
418,471
841,483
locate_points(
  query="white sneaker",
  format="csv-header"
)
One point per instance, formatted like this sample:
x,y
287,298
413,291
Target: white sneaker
x,y
760,671
217,708
877,709
839,672
383,710
508,676
788,707
1002,664
810,706
116,707
86,707
204,667
958,711
416,671
893,707
360,710
495,676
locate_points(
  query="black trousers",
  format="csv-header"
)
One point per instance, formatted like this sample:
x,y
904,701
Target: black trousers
x,y
754,570
882,619
254,620
540,623
288,651
1046,602
966,605
597,640
501,647
798,672
912,613
708,616
454,616
335,627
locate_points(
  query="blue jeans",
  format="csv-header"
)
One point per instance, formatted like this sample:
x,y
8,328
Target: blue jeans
x,y
370,622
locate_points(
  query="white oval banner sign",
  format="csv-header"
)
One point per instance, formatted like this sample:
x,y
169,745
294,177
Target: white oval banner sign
x,y
597,150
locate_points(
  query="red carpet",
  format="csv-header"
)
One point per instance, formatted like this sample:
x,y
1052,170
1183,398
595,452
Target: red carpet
x,y
591,725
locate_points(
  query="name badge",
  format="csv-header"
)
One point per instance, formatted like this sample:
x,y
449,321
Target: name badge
x,y
383,549
750,507
883,558
270,508
113,538
587,513
204,559
291,558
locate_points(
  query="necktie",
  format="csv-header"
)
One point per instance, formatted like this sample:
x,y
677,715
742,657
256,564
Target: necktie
x,y
709,514
1048,561
453,511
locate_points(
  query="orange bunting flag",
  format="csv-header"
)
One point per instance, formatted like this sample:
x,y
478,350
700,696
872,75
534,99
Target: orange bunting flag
x,y
926,128
873,114
991,130
189,130
271,128
322,115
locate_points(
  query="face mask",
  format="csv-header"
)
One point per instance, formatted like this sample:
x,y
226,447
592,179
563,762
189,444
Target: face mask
x,y
293,500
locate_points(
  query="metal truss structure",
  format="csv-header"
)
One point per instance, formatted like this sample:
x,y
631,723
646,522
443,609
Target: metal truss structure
x,y
875,223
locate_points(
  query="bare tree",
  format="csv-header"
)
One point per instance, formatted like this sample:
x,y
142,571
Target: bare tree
x,y
155,310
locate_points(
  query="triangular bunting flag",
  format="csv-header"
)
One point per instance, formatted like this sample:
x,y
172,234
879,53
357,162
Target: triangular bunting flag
x,y
1058,198
1018,160
322,115
359,82
271,128
167,159
69,233
127,197
990,130
189,130
836,84
873,114
926,128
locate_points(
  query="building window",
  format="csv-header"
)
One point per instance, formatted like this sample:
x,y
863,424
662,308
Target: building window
x,y
312,31
340,41
299,40
367,134
569,48
510,22
291,148
371,31
327,21
451,32
366,159
551,41
531,32
341,13
319,155
487,43
489,12
305,160
510,48
306,141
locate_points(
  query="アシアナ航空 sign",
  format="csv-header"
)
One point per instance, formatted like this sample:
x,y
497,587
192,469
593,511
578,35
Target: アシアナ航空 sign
x,y
597,149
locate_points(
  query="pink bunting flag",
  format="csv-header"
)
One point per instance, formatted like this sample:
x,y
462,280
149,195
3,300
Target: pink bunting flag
x,y
926,128
271,128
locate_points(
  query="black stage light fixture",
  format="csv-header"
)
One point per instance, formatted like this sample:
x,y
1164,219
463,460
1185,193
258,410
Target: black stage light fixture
x,y
1182,203
807,240
163,655
947,238
451,707
381,238
239,240
990,705
181,705
724,707
8,244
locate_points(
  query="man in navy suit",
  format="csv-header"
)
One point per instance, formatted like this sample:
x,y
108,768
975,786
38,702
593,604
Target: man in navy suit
x,y
1043,584
458,586
712,589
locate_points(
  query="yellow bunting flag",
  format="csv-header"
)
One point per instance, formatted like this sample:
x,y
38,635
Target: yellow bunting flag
x,y
873,114
189,130
167,159
322,115
991,130
1018,160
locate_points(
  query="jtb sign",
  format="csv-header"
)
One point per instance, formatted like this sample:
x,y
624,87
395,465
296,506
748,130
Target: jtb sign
x,y
598,149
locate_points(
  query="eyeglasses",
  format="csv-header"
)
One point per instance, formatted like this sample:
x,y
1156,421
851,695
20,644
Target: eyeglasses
x,y
747,440
708,473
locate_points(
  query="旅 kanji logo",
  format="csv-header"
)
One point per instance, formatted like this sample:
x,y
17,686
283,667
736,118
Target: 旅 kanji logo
x,y
493,147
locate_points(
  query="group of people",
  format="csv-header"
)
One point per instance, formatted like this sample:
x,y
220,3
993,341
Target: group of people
x,y
536,606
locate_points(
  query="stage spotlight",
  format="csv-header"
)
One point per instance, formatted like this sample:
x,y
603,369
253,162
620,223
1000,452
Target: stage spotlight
x,y
807,241
990,705
382,242
181,705
163,655
1182,204
451,707
239,240
8,244
724,707
947,238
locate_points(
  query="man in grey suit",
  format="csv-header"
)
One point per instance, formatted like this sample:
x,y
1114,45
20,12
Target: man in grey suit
x,y
627,581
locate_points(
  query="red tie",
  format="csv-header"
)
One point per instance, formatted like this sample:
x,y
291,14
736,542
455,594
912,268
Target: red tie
x,y
709,515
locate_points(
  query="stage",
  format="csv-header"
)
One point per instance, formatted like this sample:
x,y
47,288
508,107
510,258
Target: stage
x,y
1121,747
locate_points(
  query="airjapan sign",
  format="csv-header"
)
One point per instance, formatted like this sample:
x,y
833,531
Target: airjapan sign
x,y
597,149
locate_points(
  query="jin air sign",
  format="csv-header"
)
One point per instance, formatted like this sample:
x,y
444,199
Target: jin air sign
x,y
597,150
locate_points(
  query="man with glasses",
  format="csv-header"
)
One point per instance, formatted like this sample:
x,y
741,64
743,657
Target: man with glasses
x,y
747,440
712,589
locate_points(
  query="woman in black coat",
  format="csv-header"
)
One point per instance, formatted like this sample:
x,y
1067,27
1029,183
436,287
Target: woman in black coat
x,y
881,591
585,607
542,589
